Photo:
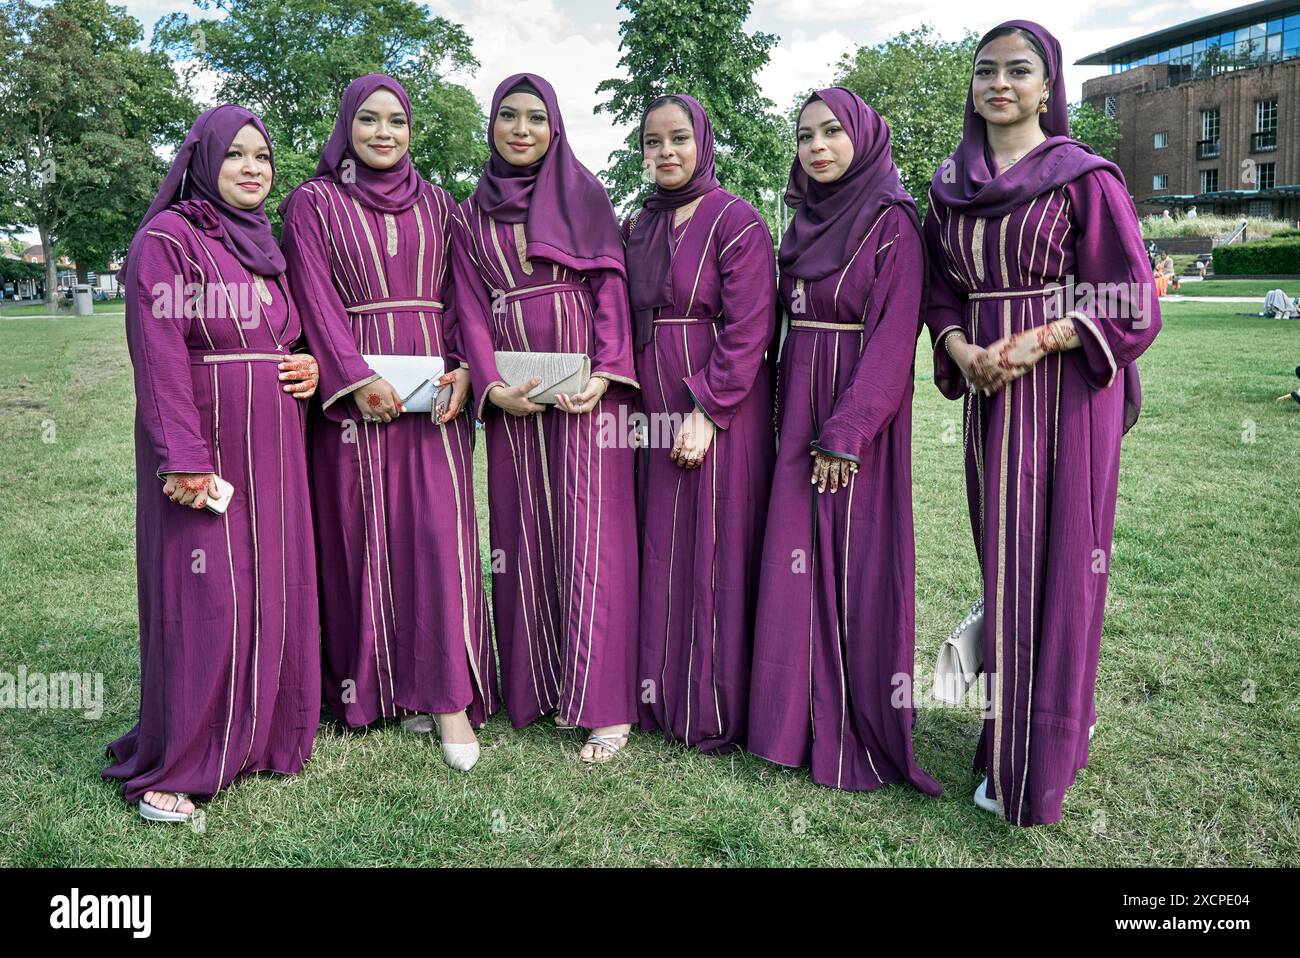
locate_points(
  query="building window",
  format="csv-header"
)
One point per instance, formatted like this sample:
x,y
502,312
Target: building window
x,y
1210,125
1265,116
1111,106
1266,176
1160,181
1208,146
1210,181
1265,136
1161,141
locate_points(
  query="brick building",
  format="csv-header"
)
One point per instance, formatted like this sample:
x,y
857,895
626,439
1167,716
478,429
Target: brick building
x,y
1209,112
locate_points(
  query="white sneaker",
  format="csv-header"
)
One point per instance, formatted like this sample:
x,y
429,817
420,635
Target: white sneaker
x,y
1091,728
461,756
983,801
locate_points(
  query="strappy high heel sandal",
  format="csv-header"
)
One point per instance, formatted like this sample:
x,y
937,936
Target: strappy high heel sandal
x,y
606,742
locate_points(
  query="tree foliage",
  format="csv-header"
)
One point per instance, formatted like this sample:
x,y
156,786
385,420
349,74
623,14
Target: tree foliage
x,y
82,109
289,61
675,46
918,83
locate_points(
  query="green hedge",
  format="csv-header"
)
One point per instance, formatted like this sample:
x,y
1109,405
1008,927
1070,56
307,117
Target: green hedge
x,y
1263,257
12,270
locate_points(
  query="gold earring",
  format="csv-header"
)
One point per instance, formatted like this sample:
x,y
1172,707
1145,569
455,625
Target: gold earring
x,y
1042,105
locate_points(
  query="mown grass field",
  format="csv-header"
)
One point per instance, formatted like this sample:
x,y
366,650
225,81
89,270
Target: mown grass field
x,y
1196,759
13,311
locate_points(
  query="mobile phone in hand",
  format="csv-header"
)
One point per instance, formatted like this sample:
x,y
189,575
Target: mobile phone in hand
x,y
225,492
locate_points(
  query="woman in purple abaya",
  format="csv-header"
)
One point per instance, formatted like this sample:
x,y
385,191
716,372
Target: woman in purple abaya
x,y
1040,301
703,294
835,630
538,267
404,615
229,667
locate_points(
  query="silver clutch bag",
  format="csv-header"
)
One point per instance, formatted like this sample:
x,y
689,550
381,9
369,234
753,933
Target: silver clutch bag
x,y
560,373
961,657
414,377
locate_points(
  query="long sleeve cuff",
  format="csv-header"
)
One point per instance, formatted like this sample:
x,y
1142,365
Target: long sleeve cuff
x,y
1098,360
698,387
947,375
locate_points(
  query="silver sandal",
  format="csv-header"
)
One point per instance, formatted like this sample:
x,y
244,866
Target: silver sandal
x,y
153,813
606,742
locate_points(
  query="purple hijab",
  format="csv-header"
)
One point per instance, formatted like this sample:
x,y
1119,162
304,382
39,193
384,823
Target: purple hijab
x,y
191,184
966,182
831,219
649,245
566,212
390,191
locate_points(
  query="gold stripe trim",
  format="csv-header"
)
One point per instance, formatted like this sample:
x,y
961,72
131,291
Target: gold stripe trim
x,y
391,304
245,357
832,327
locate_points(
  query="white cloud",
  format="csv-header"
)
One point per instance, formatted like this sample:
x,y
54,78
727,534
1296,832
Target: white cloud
x,y
801,63
537,37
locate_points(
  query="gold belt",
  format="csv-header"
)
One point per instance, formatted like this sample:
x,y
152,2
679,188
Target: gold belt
x,y
831,327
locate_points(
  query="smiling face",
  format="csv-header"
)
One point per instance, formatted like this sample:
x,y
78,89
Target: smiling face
x,y
521,130
245,176
668,146
1009,81
825,150
381,130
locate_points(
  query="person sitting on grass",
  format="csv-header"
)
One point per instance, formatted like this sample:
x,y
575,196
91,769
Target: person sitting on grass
x,y
1293,394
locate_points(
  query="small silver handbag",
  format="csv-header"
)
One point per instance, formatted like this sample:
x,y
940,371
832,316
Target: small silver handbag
x,y
566,373
961,657
414,377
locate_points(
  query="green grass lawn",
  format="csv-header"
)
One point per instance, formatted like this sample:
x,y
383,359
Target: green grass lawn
x,y
9,311
1223,286
1196,759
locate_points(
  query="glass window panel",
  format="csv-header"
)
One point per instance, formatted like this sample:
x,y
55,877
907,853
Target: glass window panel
x,y
1275,26
1291,22
1242,34
1275,45
1291,39
1258,30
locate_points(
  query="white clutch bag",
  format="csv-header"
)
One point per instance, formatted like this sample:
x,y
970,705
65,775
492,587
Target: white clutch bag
x,y
414,377
560,372
961,657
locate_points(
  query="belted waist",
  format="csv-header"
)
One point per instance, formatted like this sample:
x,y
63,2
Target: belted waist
x,y
394,305
544,289
831,327
1017,292
684,320
204,357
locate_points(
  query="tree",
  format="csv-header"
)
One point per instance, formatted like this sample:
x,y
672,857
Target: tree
x,y
677,46
918,83
1092,126
81,111
289,61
